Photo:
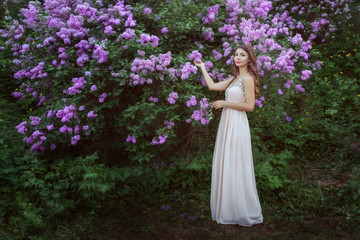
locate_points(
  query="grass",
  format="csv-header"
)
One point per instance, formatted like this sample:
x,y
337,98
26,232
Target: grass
x,y
286,218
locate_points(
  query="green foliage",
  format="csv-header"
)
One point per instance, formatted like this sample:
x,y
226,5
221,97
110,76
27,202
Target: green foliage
x,y
39,194
271,170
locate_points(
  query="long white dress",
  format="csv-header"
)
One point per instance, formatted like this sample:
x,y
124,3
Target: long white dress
x,y
234,198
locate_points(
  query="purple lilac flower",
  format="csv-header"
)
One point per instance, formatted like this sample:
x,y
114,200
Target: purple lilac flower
x,y
258,103
63,129
208,34
169,125
195,55
129,34
217,55
35,120
131,138
154,40
305,74
164,30
204,103
288,119
187,69
19,95
140,52
145,38
75,139
78,84
147,11
91,114
52,146
297,39
211,14
21,128
162,140
280,92
288,84
191,102
299,88
172,97
153,99
102,97
67,113
50,127
109,30
197,115
93,88
100,54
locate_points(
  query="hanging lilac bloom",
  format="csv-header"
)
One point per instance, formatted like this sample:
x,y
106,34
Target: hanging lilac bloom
x,y
147,11
102,97
305,74
164,30
50,127
52,146
21,128
195,55
131,138
191,102
91,114
93,88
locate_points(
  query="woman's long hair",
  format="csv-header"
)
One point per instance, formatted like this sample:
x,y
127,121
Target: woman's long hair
x,y
252,66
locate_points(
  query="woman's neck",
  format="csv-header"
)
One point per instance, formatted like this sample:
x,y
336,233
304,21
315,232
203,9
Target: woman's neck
x,y
243,71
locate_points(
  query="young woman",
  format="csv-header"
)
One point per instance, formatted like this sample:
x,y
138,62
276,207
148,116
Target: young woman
x,y
234,198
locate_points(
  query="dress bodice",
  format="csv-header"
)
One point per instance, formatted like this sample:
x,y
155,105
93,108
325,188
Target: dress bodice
x,y
235,91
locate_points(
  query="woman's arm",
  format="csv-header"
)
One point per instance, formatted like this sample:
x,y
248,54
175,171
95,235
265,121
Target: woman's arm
x,y
249,103
219,86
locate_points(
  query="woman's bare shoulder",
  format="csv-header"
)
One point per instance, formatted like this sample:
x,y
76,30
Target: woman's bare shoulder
x,y
249,78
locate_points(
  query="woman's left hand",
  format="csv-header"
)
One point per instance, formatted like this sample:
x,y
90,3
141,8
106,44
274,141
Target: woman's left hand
x,y
218,104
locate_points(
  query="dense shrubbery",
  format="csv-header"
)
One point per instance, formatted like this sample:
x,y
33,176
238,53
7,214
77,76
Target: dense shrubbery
x,y
151,115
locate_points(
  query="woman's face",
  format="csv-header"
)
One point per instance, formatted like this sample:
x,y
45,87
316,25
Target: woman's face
x,y
241,58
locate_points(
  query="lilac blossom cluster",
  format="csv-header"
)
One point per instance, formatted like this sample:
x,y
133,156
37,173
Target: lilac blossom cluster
x,y
153,99
192,101
187,69
143,66
208,34
78,84
259,101
65,27
195,55
284,43
211,14
162,139
147,11
169,125
305,74
131,138
146,38
201,114
260,29
172,97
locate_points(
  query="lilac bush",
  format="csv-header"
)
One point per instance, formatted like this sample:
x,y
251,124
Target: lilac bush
x,y
82,63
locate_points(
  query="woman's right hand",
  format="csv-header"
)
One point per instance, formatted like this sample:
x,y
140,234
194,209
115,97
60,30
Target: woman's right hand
x,y
199,64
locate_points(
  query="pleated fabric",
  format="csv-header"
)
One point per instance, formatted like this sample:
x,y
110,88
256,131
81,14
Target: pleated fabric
x,y
234,198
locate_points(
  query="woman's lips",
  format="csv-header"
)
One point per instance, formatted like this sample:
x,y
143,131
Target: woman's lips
x,y
238,62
